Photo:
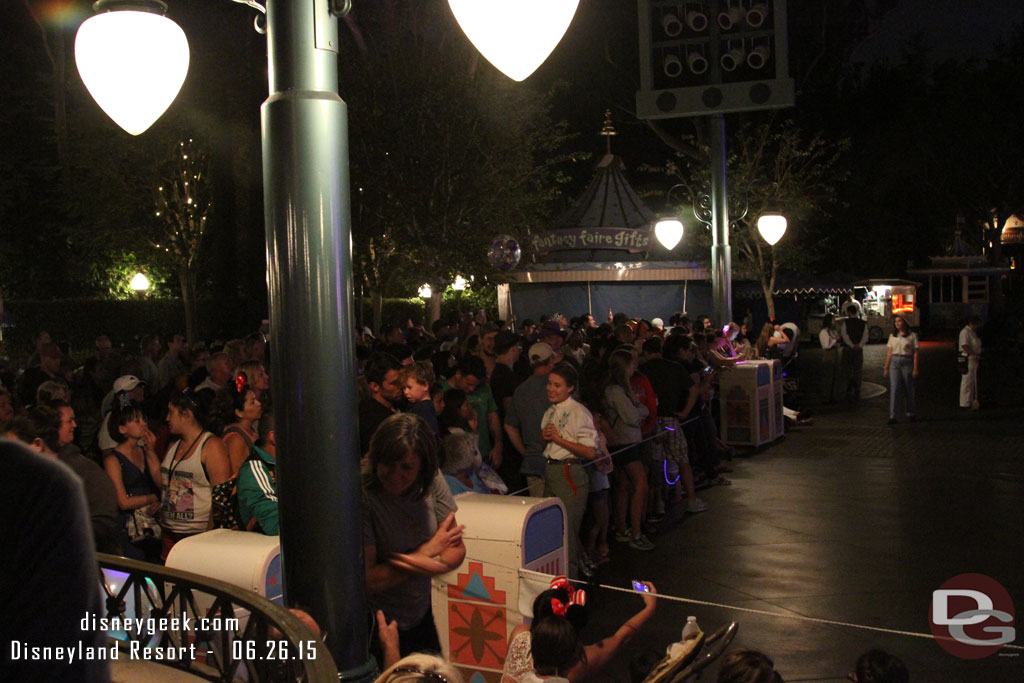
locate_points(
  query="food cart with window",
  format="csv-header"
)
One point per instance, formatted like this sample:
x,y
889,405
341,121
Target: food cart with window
x,y
885,298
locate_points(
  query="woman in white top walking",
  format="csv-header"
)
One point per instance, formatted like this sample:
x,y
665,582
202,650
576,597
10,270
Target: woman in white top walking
x,y
901,368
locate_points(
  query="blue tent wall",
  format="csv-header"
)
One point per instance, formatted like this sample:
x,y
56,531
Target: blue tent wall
x,y
637,299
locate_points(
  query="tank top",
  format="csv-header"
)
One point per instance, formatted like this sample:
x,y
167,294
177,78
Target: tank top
x,y
187,493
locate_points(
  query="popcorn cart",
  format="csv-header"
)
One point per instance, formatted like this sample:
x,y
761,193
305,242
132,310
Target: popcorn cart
x,y
885,298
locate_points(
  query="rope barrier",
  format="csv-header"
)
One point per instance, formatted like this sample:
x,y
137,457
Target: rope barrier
x,y
748,610
656,435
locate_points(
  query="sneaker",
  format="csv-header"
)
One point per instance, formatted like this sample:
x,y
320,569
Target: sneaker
x,y
623,537
641,542
697,505
587,566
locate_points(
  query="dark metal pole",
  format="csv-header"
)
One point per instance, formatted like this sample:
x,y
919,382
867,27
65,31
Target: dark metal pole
x,y
306,196
721,252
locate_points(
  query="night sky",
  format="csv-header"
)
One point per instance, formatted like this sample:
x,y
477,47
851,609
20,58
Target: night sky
x,y
597,61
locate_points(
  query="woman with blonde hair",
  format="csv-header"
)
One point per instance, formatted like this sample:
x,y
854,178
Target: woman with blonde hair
x,y
625,414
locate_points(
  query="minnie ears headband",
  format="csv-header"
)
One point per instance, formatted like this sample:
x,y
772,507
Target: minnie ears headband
x,y
576,597
240,381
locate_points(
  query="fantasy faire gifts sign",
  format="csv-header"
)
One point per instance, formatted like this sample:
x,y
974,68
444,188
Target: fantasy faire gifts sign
x,y
627,239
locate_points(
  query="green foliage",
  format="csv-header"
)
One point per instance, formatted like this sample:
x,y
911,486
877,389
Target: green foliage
x,y
771,164
446,153
397,309
112,276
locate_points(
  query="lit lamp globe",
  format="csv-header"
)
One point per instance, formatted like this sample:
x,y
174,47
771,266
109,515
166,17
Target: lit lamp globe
x,y
772,227
516,36
425,292
140,284
132,60
459,284
669,232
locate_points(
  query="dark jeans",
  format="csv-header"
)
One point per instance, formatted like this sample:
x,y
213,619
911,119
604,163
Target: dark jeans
x,y
853,368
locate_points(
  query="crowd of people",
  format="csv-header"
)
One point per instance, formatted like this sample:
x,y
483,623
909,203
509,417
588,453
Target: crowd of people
x,y
617,419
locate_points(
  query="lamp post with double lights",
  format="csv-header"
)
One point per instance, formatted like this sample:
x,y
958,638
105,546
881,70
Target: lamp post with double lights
x,y
307,213
708,58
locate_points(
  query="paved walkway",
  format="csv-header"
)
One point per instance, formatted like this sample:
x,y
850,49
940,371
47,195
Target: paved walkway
x,y
848,520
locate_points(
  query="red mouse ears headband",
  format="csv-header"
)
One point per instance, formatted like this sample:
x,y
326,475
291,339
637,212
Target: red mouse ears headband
x,y
240,381
576,596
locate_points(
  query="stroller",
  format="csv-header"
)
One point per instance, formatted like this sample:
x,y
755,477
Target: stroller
x,y
694,656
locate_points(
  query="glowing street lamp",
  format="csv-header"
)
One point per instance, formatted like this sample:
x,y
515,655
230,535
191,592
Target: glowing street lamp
x,y
140,284
669,232
132,60
304,125
425,291
516,36
772,226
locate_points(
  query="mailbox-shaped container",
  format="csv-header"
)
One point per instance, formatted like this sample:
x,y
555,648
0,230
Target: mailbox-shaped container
x,y
748,403
477,605
242,558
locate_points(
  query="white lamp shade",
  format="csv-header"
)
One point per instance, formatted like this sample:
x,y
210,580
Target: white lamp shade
x,y
140,283
668,231
459,284
772,227
516,36
425,291
133,64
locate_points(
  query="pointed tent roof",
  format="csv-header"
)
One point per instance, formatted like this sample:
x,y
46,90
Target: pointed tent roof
x,y
608,202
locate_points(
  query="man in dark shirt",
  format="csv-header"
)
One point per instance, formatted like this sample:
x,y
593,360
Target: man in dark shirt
x,y
50,580
677,396
49,367
503,384
384,391
50,432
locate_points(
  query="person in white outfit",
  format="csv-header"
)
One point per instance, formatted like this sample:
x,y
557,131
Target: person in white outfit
x,y
969,346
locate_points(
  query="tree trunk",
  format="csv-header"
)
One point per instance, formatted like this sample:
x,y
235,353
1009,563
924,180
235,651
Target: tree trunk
x,y
187,278
377,300
434,307
769,300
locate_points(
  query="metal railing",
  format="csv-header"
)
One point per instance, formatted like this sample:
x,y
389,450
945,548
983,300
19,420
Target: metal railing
x,y
210,628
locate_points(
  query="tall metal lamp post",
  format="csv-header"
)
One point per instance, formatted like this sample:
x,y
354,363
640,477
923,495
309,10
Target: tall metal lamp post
x,y
307,212
707,59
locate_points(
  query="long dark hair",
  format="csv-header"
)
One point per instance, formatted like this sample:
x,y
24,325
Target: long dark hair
x,y
123,411
555,646
198,403
896,329
229,399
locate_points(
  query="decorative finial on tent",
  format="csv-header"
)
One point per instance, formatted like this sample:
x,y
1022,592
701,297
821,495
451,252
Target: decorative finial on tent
x,y
608,130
